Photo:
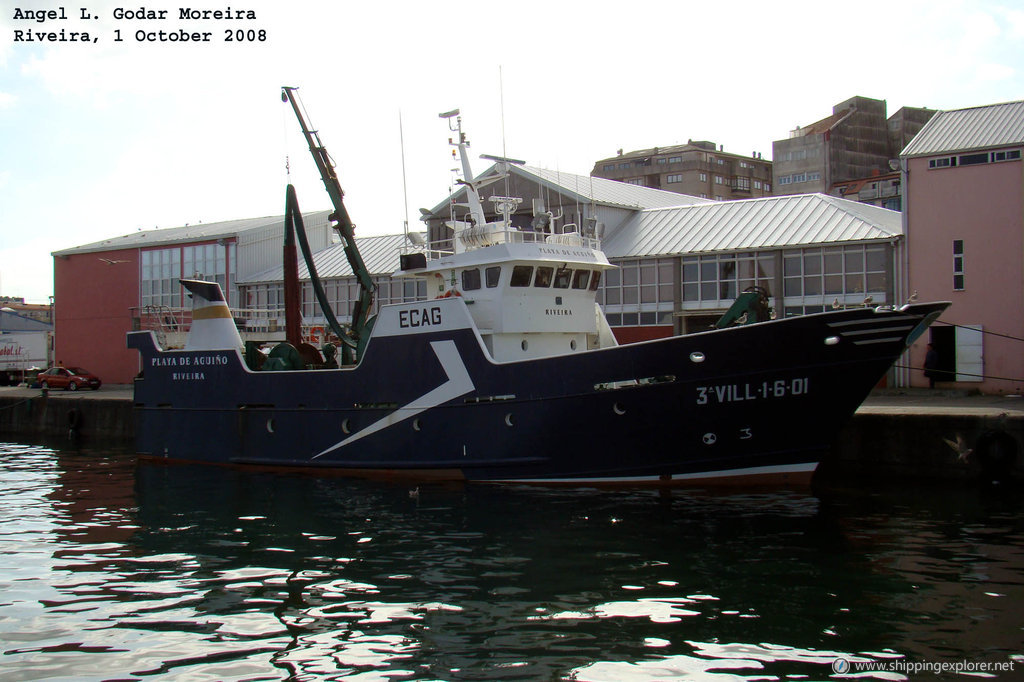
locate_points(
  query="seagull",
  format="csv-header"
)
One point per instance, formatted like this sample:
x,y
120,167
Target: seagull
x,y
960,447
835,304
913,297
868,300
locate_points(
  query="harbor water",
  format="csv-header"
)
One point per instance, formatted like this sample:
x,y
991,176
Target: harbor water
x,y
118,569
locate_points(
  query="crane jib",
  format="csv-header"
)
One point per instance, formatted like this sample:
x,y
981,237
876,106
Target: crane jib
x,y
343,224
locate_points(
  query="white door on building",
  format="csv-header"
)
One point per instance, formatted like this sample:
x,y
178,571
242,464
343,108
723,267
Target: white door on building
x,y
969,353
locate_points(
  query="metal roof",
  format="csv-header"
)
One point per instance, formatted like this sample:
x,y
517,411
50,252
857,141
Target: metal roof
x,y
995,125
587,189
186,233
608,192
747,224
380,255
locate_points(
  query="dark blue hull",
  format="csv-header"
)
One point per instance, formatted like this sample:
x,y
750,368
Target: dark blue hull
x,y
763,400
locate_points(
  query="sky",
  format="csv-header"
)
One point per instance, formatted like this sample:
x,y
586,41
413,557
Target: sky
x,y
103,138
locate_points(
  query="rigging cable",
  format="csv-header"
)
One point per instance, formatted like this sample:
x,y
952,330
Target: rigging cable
x,y
969,374
962,374
405,191
983,331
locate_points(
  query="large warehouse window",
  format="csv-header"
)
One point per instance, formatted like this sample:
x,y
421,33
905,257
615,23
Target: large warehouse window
x,y
816,278
341,293
161,269
639,292
213,263
715,281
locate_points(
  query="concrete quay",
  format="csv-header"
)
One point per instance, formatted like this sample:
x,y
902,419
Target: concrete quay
x,y
911,433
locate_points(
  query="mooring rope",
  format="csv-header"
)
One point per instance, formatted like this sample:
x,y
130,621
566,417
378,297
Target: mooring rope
x,y
962,374
983,331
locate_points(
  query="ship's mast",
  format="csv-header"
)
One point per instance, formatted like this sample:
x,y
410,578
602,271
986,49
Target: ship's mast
x,y
476,209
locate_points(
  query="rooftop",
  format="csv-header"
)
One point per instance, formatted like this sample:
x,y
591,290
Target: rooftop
x,y
587,189
747,224
985,127
380,255
692,145
170,235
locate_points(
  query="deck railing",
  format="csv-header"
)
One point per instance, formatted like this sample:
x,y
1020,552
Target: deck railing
x,y
171,325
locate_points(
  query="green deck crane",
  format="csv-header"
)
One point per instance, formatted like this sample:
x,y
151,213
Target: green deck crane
x,y
362,322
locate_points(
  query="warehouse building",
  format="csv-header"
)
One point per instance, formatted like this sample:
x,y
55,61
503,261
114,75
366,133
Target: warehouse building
x,y
682,260
679,266
104,289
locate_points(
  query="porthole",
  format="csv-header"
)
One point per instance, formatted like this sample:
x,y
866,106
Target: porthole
x,y
619,409
345,428
508,420
572,344
416,424
525,344
831,340
696,356
270,425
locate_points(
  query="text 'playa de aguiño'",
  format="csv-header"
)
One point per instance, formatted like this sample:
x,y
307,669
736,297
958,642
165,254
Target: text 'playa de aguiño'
x,y
140,25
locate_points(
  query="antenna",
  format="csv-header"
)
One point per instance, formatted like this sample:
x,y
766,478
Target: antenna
x,y
405,191
501,93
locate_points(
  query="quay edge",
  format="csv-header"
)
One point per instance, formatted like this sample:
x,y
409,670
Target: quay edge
x,y
104,414
905,436
921,434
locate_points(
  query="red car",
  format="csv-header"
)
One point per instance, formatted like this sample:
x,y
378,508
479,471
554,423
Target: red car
x,y
68,378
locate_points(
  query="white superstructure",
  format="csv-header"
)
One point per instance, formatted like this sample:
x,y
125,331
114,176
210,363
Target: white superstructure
x,y
531,291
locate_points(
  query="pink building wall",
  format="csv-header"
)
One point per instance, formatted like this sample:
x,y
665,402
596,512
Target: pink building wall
x,y
984,206
93,298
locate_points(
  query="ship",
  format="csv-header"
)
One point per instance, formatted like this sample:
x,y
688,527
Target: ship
x,y
509,372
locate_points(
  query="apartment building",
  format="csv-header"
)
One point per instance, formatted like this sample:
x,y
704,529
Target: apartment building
x,y
697,168
856,142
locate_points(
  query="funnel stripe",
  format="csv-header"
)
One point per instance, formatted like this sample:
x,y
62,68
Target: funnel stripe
x,y
211,312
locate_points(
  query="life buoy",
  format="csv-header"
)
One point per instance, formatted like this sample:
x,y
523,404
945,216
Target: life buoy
x,y
450,293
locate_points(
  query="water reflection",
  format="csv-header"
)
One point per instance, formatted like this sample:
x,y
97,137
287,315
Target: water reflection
x,y
112,569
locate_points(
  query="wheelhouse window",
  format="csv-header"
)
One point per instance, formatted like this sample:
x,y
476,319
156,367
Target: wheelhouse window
x,y
580,279
595,281
492,276
471,279
543,278
521,276
562,278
